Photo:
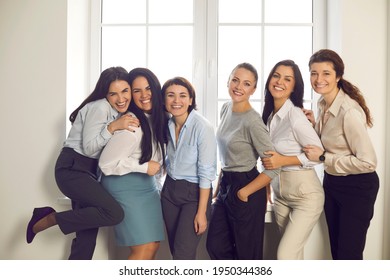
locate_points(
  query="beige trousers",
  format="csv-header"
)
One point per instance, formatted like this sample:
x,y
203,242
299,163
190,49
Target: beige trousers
x,y
298,204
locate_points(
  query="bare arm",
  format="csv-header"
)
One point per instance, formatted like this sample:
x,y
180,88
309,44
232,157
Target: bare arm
x,y
258,183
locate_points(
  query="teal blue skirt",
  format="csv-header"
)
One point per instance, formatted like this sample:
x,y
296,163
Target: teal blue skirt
x,y
139,197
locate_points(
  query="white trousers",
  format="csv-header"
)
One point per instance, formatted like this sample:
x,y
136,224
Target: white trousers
x,y
298,204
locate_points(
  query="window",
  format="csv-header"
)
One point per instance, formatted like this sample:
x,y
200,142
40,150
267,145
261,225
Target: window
x,y
203,40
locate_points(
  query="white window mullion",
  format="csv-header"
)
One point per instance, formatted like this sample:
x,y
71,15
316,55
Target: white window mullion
x,y
319,39
211,93
95,41
199,55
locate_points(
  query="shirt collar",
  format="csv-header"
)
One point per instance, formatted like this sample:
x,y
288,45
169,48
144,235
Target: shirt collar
x,y
283,111
189,119
334,109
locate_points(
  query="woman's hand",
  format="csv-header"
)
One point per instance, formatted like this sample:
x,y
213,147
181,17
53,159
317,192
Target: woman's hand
x,y
124,122
309,115
153,168
200,223
313,152
241,195
274,161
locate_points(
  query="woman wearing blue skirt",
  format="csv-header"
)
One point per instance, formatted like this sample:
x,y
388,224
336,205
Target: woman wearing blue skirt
x,y
130,162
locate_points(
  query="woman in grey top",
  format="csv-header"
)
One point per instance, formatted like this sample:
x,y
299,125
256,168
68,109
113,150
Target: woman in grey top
x,y
237,221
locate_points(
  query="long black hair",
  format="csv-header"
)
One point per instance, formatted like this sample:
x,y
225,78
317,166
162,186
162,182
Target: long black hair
x,y
296,96
102,86
158,115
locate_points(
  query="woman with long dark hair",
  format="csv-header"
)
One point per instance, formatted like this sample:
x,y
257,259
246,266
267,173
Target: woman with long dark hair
x,y
298,193
76,172
130,162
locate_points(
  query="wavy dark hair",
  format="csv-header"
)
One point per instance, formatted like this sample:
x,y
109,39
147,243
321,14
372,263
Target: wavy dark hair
x,y
327,55
102,86
158,115
180,81
296,96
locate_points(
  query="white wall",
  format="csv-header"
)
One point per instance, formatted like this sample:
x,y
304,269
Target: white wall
x,y
386,219
33,75
358,31
32,110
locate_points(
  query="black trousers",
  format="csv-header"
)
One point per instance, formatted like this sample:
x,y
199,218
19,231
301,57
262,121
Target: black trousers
x,y
236,228
93,206
349,208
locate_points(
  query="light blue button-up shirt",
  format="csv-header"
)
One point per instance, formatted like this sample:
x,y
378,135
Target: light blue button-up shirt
x,y
194,156
89,133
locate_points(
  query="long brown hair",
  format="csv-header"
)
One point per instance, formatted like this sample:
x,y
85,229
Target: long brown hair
x,y
326,55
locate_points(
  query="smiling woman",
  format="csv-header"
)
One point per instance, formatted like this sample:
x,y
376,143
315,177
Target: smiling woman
x,y
238,213
191,169
76,171
130,162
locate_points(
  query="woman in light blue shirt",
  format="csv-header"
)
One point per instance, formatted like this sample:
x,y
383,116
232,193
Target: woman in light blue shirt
x,y
191,169
299,197
76,172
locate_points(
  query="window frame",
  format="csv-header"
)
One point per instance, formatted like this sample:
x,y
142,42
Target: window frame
x,y
205,56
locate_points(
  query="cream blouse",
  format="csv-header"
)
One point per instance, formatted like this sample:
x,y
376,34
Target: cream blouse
x,y
345,138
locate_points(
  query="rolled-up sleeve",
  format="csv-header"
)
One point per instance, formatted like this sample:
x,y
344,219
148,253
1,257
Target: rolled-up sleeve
x,y
207,158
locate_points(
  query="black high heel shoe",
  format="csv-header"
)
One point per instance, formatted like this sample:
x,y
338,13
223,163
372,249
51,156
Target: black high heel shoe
x,y
38,214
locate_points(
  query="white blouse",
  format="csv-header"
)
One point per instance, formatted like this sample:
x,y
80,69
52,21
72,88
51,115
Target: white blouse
x,y
122,153
290,131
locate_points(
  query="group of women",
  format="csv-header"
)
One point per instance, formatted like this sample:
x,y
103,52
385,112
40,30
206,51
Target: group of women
x,y
130,136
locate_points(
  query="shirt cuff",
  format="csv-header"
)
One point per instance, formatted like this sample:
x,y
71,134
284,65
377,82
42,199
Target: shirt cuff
x,y
141,168
106,134
204,184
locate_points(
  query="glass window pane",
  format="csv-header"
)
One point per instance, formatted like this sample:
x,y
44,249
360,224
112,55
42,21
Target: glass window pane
x,y
288,42
119,49
243,11
288,11
171,11
236,44
170,51
123,11
257,105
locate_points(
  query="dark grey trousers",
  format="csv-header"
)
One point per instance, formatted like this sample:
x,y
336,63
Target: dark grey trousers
x,y
93,206
179,200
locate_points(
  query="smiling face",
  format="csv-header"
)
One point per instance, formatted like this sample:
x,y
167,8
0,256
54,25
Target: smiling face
x,y
119,95
242,85
282,82
177,101
323,78
141,94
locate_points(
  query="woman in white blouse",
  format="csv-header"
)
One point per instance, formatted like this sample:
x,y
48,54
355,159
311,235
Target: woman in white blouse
x,y
129,162
298,194
350,181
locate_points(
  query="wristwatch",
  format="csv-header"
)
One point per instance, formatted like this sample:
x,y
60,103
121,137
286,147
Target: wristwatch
x,y
322,157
